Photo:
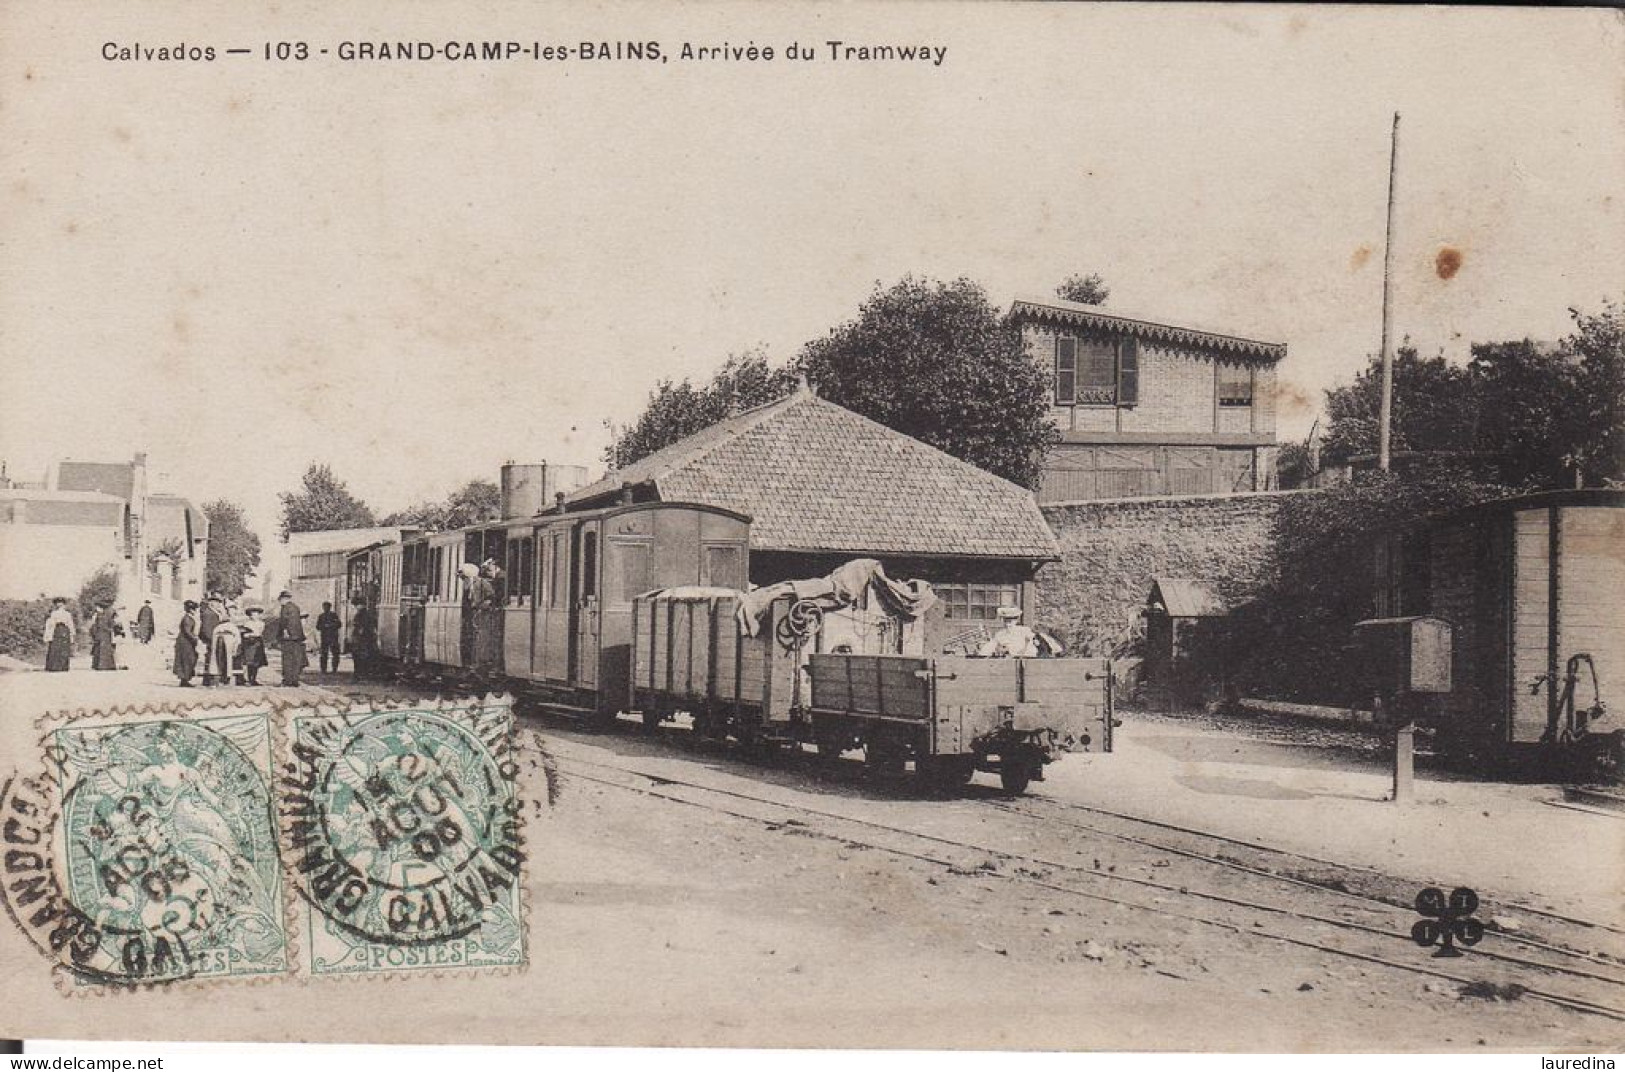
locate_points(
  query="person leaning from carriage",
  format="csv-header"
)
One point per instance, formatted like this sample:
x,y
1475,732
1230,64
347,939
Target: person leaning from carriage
x,y
60,631
363,637
252,645
144,624
186,642
480,616
104,628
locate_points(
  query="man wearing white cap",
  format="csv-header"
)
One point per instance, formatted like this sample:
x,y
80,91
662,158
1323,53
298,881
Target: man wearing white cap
x,y
1013,640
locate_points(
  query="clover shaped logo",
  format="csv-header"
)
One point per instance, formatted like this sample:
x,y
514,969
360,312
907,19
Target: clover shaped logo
x,y
1447,920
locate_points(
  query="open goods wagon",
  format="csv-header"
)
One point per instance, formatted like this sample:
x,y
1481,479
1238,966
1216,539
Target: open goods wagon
x,y
759,674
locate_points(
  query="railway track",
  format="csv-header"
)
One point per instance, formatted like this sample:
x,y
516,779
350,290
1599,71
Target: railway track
x,y
1368,885
1366,931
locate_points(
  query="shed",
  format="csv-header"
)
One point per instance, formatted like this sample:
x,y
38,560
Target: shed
x,y
1176,609
824,485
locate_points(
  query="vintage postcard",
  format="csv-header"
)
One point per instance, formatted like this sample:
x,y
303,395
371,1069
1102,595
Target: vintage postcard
x,y
1091,527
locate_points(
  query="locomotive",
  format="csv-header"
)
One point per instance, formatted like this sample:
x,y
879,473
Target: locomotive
x,y
644,609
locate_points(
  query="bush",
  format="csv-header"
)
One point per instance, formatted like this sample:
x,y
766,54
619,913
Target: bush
x,y
21,623
1292,641
102,585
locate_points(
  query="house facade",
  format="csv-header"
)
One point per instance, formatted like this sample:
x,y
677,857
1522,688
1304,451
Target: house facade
x,y
89,515
1150,408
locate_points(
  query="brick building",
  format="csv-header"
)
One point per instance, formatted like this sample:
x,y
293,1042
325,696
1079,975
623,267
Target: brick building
x,y
1150,408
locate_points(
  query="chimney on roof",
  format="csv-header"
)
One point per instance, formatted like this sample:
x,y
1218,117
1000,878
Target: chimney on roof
x,y
558,502
804,386
626,493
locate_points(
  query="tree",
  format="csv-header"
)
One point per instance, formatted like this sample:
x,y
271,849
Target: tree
x,y
324,502
474,502
677,410
1525,394
1599,344
1084,289
1433,408
233,551
938,362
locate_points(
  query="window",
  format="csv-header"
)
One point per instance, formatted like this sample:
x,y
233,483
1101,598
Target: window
x,y
557,591
627,575
1235,385
521,555
1096,372
725,566
977,602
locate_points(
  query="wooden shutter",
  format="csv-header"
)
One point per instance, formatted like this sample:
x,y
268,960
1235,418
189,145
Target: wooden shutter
x,y
1128,373
1066,370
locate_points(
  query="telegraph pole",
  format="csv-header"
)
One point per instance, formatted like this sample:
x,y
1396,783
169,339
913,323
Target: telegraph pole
x,y
1386,416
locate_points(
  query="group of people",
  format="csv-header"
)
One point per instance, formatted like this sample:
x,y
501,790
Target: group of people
x,y
105,630
233,650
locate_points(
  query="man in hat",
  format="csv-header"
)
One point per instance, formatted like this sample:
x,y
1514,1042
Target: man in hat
x,y
144,625
186,641
327,632
1013,640
290,639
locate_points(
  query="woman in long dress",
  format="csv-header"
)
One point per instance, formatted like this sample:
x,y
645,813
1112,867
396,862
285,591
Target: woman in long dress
x,y
59,634
186,642
253,644
103,629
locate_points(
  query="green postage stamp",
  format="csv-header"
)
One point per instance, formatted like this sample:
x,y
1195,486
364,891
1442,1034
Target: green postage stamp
x,y
153,847
402,828
146,850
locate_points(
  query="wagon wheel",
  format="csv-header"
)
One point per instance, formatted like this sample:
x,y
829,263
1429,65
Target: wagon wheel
x,y
1610,760
1015,776
652,718
831,743
884,756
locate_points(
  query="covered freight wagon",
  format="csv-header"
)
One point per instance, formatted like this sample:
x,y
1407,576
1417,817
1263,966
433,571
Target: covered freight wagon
x,y
1534,589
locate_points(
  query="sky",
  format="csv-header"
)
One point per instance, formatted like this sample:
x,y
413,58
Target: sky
x,y
415,271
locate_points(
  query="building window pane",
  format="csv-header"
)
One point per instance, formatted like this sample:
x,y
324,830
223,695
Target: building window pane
x,y
1235,385
977,602
1097,372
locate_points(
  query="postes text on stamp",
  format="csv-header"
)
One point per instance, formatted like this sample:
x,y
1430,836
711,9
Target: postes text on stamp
x,y
402,829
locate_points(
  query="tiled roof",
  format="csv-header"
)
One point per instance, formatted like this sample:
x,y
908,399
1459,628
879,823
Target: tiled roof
x,y
1056,310
813,476
1186,598
109,478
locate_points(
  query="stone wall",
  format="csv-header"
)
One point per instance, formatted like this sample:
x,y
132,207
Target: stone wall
x,y
1111,549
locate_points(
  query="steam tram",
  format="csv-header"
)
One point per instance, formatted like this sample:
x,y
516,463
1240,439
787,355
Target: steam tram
x,y
565,595
643,608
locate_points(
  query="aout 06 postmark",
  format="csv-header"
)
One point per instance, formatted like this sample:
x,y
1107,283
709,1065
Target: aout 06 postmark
x,y
402,829
145,851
